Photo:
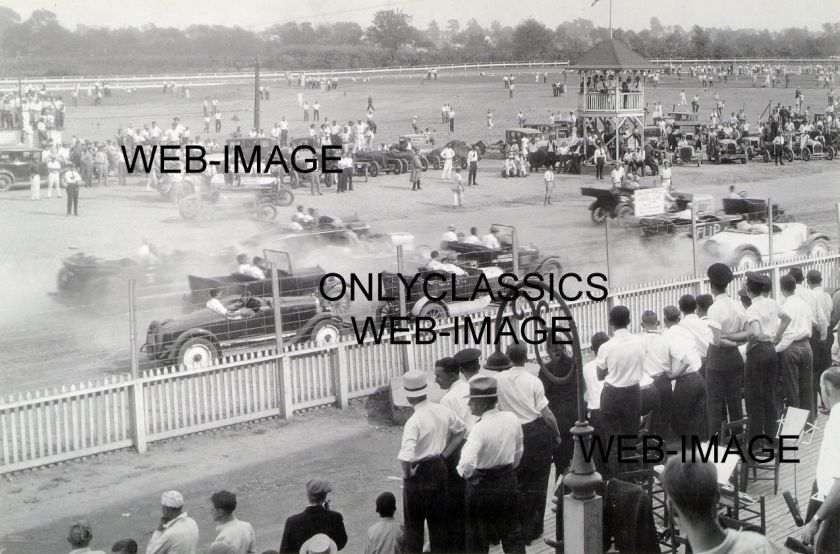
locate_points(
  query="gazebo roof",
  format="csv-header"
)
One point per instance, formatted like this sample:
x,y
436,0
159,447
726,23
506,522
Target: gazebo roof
x,y
612,54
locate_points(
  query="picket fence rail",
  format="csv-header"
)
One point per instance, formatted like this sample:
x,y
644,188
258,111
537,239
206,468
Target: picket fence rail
x,y
69,422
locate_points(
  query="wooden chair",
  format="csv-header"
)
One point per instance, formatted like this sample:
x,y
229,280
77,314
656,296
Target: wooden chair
x,y
739,429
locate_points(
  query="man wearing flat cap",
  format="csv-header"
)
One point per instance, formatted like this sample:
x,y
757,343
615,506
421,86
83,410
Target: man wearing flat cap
x,y
177,533
724,363
316,518
489,459
431,434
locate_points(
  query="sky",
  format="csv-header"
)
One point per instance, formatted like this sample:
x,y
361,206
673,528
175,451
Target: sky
x,y
259,14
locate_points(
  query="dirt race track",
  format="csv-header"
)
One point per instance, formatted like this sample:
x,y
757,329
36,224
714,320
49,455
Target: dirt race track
x,y
46,344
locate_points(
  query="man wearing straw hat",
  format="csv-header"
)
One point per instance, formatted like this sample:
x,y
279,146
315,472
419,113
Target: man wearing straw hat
x,y
489,459
431,434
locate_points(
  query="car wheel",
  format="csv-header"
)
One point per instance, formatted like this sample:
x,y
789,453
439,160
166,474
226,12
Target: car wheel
x,y
395,166
197,352
189,207
829,153
266,212
750,153
64,283
284,198
551,267
747,260
325,333
744,160
373,169
818,248
435,162
623,211
6,183
403,166
598,215
790,156
424,164
434,310
806,155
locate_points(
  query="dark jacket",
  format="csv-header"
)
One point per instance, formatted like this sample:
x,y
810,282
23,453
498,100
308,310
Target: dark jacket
x,y
628,519
313,520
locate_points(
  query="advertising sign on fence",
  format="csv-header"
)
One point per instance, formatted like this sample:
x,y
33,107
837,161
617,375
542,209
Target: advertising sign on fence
x,y
647,202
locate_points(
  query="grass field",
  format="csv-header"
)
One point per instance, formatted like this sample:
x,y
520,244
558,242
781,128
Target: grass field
x,y
397,100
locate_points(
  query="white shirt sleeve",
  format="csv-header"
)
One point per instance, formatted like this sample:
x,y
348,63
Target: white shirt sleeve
x,y
469,455
409,441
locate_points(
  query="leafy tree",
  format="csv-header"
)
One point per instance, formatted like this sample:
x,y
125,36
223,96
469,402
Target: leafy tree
x,y
391,30
532,39
700,41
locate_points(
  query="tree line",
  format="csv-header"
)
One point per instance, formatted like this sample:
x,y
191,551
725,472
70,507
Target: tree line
x,y
40,45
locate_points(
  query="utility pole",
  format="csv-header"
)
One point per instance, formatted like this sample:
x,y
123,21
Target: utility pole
x,y
257,95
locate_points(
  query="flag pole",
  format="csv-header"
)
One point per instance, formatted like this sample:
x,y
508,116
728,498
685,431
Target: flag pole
x,y
611,19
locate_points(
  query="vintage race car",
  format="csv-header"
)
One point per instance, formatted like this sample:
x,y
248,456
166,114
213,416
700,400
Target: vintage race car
x,y
461,149
723,150
419,303
289,283
480,256
748,245
200,337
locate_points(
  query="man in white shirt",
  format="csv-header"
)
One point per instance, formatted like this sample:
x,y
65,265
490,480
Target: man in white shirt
x,y
436,265
656,392
689,386
620,364
53,170
245,268
828,471
617,174
215,304
238,535
491,240
489,458
700,331
548,177
523,394
176,533
796,358
447,154
431,435
724,364
449,235
473,237
820,343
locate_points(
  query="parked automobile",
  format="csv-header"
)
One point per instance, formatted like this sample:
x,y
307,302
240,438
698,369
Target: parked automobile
x,y
15,163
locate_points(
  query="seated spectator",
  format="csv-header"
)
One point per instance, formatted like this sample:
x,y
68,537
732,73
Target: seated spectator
x,y
436,265
385,536
693,495
247,269
79,538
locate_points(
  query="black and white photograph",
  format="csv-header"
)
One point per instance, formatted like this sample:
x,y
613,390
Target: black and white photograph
x,y
607,321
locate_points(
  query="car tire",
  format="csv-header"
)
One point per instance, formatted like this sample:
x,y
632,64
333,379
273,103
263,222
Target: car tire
x,y
806,155
818,248
266,212
395,166
284,197
373,169
789,156
598,215
6,183
551,267
435,310
325,333
197,352
424,164
435,162
747,259
829,153
623,211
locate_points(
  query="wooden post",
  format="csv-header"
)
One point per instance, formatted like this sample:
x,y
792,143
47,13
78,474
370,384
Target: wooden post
x,y
136,400
693,243
284,374
582,521
340,377
607,241
257,95
770,227
408,350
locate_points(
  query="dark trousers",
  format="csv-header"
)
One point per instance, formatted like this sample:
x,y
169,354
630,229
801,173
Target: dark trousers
x,y
621,409
796,365
688,417
218,125
492,499
455,506
650,402
348,175
599,168
532,476
451,125
72,198
424,501
821,351
724,378
472,173
284,137
761,374
662,417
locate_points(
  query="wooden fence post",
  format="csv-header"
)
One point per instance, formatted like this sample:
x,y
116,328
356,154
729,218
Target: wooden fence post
x,y
284,384
341,384
137,409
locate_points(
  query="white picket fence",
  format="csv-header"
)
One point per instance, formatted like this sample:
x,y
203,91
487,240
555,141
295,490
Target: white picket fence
x,y
71,422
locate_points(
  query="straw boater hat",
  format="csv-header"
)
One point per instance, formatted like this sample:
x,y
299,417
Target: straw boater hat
x,y
415,384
